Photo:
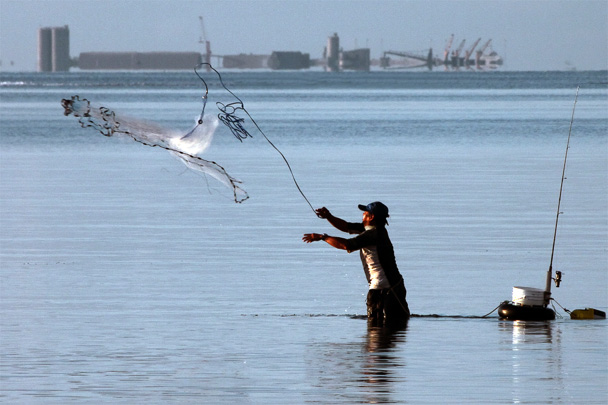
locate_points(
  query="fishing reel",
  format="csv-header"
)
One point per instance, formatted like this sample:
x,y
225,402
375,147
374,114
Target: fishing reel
x,y
557,278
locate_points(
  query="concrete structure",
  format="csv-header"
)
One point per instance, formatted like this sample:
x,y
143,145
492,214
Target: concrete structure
x,y
289,60
61,49
357,59
336,59
332,54
45,50
54,56
54,49
138,60
245,61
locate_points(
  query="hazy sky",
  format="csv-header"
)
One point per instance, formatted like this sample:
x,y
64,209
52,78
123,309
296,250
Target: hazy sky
x,y
529,34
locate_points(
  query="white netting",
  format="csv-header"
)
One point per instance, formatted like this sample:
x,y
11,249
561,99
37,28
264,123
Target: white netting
x,y
185,147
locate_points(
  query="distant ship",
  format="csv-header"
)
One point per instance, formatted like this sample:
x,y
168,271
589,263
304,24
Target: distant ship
x,y
452,59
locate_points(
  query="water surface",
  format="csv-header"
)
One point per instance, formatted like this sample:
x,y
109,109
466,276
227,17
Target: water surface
x,y
126,278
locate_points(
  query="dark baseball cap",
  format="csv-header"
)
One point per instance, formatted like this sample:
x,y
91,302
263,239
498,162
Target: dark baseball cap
x,y
377,208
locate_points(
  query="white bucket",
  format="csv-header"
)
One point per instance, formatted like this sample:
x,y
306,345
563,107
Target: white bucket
x,y
528,296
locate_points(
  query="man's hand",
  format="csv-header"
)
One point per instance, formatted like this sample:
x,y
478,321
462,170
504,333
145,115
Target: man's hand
x,y
312,237
323,213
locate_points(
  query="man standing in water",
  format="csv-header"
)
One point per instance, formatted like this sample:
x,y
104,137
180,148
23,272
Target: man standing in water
x,y
386,303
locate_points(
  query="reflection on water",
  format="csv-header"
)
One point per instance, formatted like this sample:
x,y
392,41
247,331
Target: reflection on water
x,y
123,281
378,371
526,332
536,357
369,370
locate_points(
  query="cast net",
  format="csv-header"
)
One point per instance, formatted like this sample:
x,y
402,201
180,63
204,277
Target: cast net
x,y
186,147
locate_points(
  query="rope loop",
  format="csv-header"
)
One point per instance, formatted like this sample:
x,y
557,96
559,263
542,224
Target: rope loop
x,y
235,124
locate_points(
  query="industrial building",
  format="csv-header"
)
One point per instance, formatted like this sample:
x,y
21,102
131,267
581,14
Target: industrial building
x,y
332,54
54,56
54,49
244,61
335,59
357,59
138,60
289,60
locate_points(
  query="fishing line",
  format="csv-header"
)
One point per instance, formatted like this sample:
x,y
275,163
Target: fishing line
x,y
228,117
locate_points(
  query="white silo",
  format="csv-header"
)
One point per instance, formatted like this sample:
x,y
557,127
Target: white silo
x,y
333,53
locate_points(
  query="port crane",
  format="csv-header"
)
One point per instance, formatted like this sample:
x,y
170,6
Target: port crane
x,y
446,52
480,53
452,58
467,54
456,55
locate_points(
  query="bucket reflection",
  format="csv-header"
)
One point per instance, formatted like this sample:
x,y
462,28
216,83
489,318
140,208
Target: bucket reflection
x,y
536,357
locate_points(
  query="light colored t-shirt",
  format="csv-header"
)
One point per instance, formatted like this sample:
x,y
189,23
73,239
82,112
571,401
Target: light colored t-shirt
x,y
372,267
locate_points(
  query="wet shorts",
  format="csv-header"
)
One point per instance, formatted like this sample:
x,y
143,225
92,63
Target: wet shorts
x,y
387,305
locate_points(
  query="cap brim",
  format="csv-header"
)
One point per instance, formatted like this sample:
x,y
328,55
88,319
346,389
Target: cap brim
x,y
362,207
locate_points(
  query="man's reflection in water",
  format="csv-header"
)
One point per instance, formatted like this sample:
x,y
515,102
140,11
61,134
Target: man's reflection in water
x,y
368,368
380,369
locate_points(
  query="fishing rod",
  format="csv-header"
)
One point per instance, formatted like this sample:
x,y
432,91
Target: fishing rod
x,y
558,274
532,303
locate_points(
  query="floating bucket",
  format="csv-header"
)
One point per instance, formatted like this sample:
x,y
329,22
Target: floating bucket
x,y
528,296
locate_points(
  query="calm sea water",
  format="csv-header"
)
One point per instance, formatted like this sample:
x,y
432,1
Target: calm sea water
x,y
125,278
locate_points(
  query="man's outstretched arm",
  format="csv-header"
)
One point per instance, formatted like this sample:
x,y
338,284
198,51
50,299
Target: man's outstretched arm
x,y
338,243
336,222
